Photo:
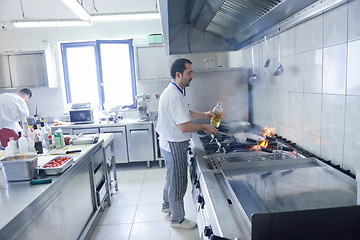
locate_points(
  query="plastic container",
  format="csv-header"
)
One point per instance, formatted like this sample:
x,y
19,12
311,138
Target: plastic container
x,y
216,119
59,139
23,144
20,167
155,38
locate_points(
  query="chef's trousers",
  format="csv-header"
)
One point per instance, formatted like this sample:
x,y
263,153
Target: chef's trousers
x,y
176,179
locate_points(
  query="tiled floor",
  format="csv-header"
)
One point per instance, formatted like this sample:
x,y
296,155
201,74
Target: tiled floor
x,y
135,211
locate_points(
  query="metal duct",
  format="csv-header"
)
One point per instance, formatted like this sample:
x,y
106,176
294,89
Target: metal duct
x,y
229,25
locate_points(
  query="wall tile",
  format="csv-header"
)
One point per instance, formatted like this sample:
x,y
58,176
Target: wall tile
x,y
297,73
312,114
313,33
332,118
353,69
296,111
353,20
334,70
351,159
332,151
313,63
312,143
352,126
335,26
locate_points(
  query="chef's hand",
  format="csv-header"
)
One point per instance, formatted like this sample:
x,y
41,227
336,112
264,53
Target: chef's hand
x,y
210,129
209,114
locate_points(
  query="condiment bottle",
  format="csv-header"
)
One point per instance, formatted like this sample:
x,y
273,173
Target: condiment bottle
x,y
216,119
23,144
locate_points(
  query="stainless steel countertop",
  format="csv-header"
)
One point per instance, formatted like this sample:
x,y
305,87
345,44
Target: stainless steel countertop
x,y
16,196
123,122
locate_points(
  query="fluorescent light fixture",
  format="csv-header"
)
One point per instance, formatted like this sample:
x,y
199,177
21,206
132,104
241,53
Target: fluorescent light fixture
x,y
76,7
124,17
50,23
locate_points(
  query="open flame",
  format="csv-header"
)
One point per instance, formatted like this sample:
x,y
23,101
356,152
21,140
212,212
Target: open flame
x,y
267,132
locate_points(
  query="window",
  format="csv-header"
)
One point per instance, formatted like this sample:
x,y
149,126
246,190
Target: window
x,y
100,72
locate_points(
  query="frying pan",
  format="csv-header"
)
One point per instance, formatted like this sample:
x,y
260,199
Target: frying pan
x,y
242,137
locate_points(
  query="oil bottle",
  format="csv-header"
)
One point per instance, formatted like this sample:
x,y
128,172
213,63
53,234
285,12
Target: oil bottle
x,y
216,119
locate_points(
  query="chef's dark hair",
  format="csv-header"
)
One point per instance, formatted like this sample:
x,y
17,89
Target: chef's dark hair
x,y
178,66
26,91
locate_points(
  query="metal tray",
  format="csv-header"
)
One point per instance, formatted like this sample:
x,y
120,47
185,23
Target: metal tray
x,y
57,170
20,167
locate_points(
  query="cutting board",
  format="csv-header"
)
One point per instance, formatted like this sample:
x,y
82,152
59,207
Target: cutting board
x,y
63,151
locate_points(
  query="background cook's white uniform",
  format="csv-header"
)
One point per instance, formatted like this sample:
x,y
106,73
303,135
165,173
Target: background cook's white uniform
x,y
12,109
173,110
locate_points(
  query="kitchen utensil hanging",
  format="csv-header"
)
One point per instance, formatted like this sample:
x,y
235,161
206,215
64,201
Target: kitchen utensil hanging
x,y
279,70
253,78
267,61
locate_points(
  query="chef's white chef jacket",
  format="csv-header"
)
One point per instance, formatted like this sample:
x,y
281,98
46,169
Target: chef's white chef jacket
x,y
173,110
12,109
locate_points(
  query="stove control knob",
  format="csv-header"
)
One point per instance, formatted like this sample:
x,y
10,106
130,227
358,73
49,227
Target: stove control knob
x,y
208,231
201,201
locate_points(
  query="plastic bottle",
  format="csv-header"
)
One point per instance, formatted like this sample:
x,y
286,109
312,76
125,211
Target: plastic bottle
x,y
47,127
10,148
44,136
59,139
216,119
31,133
23,144
38,144
25,127
31,145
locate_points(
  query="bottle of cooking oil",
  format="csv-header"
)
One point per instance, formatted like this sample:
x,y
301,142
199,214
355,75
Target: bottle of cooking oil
x,y
216,119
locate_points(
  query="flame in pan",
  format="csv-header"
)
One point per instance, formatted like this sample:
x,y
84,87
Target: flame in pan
x,y
267,132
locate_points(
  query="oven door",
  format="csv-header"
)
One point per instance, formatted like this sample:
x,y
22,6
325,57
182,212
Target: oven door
x,y
81,116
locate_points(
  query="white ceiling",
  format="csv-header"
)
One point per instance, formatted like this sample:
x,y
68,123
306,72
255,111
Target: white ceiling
x,y
56,9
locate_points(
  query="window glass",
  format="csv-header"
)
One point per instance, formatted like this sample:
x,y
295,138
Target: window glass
x,y
100,72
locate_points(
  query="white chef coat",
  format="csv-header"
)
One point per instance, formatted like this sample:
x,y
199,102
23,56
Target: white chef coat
x,y
12,109
173,110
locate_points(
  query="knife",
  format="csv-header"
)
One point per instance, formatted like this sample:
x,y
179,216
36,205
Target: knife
x,y
72,151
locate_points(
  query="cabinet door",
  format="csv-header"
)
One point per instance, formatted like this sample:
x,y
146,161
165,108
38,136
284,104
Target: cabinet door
x,y
120,143
28,70
4,72
140,143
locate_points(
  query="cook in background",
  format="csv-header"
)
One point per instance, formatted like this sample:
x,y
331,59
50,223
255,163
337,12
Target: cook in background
x,y
174,127
12,108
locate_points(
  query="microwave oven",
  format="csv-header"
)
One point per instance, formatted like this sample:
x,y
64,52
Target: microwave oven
x,y
81,116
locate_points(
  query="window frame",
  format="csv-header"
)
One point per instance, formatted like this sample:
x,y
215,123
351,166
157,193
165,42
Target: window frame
x,y
97,52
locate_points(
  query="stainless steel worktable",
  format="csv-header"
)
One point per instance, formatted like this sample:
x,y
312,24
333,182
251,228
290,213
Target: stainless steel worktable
x,y
21,202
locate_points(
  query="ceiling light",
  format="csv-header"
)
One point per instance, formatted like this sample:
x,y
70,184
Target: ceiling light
x,y
50,23
125,17
77,8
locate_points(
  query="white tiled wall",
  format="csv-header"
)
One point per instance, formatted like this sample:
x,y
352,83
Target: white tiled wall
x,y
316,101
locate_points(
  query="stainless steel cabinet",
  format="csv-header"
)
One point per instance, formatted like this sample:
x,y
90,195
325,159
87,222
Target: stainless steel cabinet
x,y
68,213
94,130
120,142
5,80
140,142
26,69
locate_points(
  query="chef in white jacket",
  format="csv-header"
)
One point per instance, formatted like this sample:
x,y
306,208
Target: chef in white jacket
x,y
12,108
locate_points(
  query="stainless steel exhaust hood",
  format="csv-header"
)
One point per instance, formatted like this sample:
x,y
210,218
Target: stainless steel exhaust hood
x,y
227,25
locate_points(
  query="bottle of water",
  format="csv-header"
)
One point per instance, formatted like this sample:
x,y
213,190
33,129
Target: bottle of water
x,y
216,119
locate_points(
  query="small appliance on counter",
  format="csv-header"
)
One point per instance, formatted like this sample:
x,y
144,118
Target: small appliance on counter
x,y
143,107
81,113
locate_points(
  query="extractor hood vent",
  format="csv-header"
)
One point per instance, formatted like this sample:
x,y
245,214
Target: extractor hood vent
x,y
229,25
234,16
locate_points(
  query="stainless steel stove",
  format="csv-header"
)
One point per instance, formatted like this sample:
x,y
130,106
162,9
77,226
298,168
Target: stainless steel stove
x,y
268,193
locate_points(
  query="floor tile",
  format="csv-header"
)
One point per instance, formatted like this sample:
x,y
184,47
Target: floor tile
x,y
126,198
150,230
111,232
129,176
151,197
150,213
116,215
155,174
184,234
134,186
151,185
